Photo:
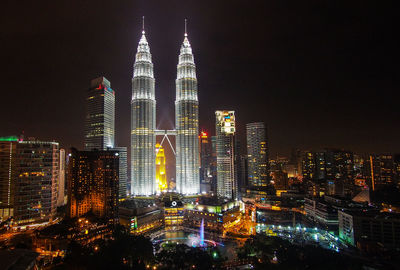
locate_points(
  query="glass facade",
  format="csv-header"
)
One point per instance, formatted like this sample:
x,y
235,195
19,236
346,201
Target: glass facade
x,y
257,154
100,115
225,130
36,181
61,180
7,176
93,183
143,123
187,123
123,170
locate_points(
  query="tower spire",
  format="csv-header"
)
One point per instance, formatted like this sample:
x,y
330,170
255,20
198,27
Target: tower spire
x,y
185,27
143,25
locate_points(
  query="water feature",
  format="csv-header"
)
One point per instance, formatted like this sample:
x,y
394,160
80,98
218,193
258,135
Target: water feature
x,y
202,233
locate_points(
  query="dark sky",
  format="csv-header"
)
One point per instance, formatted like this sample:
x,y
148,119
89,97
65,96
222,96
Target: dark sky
x,y
319,73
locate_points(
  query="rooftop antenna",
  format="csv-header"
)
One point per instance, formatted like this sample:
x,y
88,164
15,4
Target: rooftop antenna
x,y
185,27
143,25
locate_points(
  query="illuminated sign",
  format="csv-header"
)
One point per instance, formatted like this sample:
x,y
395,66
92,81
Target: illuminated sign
x,y
9,139
226,120
134,223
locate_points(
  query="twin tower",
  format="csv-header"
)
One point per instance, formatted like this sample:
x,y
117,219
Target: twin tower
x,y
143,123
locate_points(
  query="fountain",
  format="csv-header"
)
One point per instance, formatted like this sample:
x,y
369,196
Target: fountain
x,y
202,233
190,239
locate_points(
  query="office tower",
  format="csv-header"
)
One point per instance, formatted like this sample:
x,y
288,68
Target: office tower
x,y
213,167
280,179
123,170
397,169
239,169
36,179
243,173
161,176
308,165
330,172
257,155
295,161
100,115
61,179
226,175
339,169
380,171
8,148
205,157
187,123
93,183
143,122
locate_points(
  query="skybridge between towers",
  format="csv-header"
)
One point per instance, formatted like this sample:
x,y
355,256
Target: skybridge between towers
x,y
165,134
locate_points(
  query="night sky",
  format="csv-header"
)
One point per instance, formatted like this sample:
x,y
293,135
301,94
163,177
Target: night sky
x,y
319,73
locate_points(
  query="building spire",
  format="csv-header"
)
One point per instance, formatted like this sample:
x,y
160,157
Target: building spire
x,y
185,27
143,25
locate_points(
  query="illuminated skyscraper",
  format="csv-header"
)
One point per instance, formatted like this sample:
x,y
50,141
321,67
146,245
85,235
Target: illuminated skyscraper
x,y
8,149
143,123
205,162
61,179
161,176
28,180
123,171
93,183
226,175
187,123
36,177
257,154
380,171
100,115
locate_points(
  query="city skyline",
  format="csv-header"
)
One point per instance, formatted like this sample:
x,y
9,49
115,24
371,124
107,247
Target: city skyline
x,y
299,86
199,135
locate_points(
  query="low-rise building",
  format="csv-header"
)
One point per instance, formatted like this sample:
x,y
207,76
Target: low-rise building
x,y
53,240
140,215
324,211
215,213
361,228
18,259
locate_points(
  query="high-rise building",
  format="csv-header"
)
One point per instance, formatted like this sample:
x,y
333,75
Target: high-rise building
x,y
161,176
123,170
93,183
213,167
143,122
36,180
61,180
100,115
339,172
226,176
308,165
205,161
8,148
257,155
380,171
187,123
329,172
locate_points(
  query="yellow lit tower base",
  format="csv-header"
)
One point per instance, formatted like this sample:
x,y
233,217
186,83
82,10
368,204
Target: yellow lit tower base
x,y
161,177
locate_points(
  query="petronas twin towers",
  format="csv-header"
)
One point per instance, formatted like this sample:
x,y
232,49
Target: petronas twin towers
x,y
143,123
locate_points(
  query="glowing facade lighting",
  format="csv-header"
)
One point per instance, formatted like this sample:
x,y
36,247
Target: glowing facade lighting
x,y
161,176
257,153
100,115
143,122
187,123
225,130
